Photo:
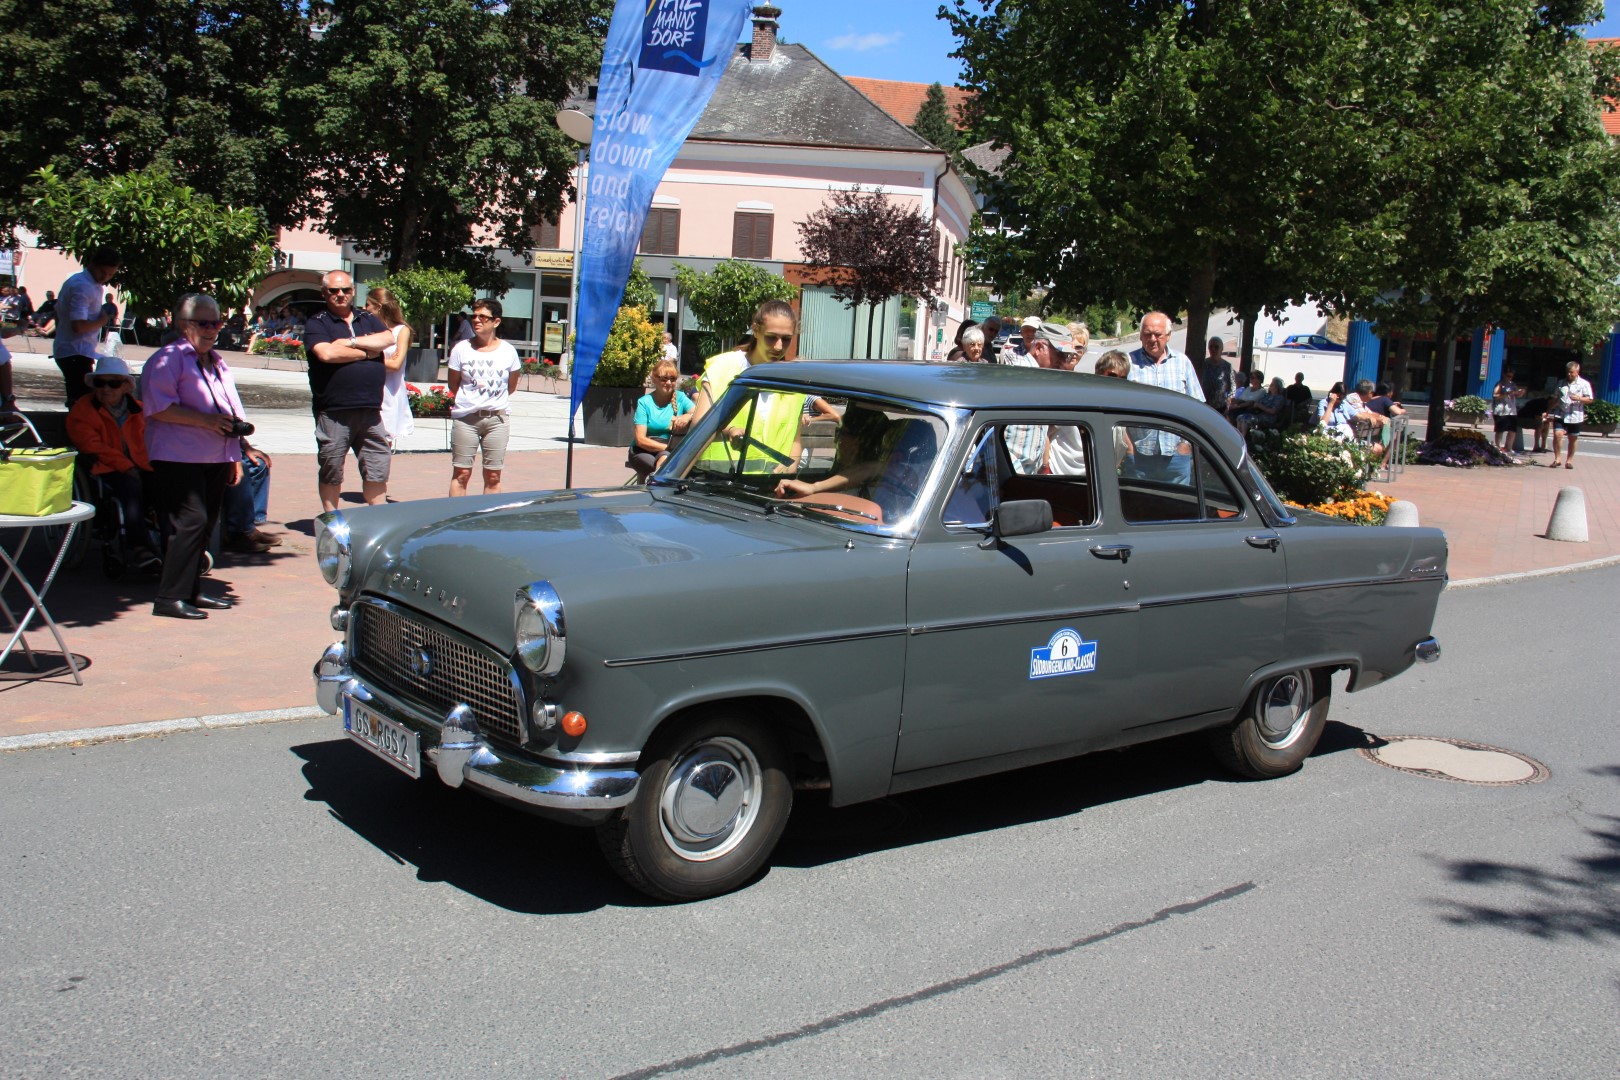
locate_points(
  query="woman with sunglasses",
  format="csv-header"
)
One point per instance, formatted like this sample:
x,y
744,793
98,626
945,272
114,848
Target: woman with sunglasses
x,y
775,437
194,429
659,415
483,373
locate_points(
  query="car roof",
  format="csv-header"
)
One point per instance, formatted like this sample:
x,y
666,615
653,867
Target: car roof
x,y
996,386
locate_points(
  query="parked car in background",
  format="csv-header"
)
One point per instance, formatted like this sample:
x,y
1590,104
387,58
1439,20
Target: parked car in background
x,y
1311,341
901,602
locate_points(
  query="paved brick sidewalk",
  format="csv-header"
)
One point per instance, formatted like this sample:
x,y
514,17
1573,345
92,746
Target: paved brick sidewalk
x,y
257,657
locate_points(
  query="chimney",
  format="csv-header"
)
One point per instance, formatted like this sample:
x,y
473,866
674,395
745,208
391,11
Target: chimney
x,y
764,43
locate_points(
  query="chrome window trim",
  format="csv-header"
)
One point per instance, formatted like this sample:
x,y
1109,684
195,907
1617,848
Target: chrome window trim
x,y
764,646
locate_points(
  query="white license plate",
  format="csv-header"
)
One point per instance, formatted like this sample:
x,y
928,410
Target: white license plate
x,y
394,743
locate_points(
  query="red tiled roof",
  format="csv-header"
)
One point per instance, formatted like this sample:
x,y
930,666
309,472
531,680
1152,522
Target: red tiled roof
x,y
1611,117
901,100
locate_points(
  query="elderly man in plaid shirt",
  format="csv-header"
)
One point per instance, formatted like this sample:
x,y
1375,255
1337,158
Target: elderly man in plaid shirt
x,y
1162,455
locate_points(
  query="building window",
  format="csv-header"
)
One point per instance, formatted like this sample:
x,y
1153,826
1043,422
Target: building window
x,y
751,235
662,233
547,234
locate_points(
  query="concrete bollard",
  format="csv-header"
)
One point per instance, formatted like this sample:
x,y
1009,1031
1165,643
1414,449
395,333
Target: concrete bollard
x,y
1568,521
1402,515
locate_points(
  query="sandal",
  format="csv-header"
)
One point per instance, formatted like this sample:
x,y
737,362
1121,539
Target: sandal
x,y
1569,464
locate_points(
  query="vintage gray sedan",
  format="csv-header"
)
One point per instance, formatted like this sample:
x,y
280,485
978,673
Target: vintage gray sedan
x,y
974,569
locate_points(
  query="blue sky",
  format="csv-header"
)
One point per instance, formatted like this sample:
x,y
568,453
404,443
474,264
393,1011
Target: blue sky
x,y
902,39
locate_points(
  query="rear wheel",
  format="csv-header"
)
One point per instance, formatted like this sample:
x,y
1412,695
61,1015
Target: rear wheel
x,y
714,798
1279,726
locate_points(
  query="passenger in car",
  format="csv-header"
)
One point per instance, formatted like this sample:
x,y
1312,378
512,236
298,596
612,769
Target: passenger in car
x,y
886,461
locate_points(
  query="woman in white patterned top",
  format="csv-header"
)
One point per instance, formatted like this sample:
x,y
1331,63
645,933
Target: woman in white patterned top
x,y
483,373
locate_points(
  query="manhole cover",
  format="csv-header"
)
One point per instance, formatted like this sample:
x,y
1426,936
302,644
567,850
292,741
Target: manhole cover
x,y
1455,759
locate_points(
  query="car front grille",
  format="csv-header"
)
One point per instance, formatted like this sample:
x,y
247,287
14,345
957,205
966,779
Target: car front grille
x,y
390,646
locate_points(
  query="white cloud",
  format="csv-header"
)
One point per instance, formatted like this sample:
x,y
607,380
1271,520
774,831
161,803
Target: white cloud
x,y
854,42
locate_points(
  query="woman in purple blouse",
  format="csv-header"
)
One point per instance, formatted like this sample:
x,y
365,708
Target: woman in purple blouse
x,y
194,429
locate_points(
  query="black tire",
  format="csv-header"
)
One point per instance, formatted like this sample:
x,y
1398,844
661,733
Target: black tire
x,y
1278,728
715,796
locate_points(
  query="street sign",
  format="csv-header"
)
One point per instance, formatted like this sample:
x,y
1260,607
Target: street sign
x,y
1268,337
982,310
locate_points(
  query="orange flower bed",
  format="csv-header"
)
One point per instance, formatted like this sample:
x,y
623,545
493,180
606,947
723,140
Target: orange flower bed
x,y
1367,508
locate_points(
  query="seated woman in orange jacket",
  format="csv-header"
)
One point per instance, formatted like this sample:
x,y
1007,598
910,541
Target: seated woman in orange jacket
x,y
106,426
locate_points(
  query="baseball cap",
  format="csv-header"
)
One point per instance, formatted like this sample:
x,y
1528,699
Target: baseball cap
x,y
1031,320
1054,334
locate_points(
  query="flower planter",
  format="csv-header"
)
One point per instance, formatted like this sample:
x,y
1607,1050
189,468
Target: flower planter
x,y
422,364
1604,430
1471,419
609,414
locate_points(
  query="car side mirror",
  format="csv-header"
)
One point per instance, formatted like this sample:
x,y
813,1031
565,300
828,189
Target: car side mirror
x,y
1021,517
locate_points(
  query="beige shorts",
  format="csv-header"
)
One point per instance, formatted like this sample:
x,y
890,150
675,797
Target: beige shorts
x,y
487,430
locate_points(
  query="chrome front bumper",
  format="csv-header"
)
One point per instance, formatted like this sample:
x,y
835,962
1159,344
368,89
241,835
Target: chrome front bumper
x,y
461,755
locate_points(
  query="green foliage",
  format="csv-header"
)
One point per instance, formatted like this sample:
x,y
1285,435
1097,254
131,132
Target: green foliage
x,y
638,289
1469,405
173,239
869,248
1309,469
428,295
107,87
633,346
933,120
724,299
1603,412
431,123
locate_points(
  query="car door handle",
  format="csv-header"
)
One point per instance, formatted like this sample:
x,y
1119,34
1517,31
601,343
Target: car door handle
x,y
1122,552
1270,542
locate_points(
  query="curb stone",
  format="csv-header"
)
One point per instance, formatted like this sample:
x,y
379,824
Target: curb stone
x,y
49,740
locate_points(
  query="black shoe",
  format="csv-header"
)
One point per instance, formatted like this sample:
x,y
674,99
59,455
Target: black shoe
x,y
177,609
212,603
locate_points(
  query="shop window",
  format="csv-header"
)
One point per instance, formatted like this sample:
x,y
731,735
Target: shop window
x,y
547,234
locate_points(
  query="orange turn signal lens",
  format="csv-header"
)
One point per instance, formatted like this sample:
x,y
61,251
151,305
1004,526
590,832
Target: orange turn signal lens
x,y
573,723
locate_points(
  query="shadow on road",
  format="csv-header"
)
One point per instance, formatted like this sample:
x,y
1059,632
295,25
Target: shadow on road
x,y
1579,900
504,856
528,865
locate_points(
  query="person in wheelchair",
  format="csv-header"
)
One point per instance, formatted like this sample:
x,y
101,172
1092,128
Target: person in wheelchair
x,y
108,428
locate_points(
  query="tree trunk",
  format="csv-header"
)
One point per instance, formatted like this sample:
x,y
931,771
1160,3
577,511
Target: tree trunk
x,y
1199,291
1440,385
871,317
1246,350
1402,361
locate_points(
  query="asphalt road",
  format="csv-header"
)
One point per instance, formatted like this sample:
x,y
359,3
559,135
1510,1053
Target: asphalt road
x,y
273,902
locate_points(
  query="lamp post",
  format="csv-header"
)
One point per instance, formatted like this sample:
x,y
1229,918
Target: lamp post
x,y
577,126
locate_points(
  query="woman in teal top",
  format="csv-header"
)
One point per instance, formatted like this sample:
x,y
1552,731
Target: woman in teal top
x,y
664,412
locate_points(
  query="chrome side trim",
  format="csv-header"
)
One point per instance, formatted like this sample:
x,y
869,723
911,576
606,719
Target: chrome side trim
x,y
1401,579
764,646
1020,620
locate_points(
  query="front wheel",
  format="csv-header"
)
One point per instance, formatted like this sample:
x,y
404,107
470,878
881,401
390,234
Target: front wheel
x,y
714,799
1278,728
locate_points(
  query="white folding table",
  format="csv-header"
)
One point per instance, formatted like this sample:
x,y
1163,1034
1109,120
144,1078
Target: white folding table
x,y
10,560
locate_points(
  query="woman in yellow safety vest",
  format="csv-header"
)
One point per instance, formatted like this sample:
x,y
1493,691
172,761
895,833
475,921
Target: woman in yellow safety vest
x,y
772,444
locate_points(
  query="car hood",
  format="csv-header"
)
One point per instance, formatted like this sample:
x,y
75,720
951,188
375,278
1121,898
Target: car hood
x,y
463,561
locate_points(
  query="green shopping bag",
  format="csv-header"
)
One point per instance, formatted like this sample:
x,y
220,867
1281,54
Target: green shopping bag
x,y
36,482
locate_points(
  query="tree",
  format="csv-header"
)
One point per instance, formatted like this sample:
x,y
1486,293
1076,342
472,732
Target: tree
x,y
725,298
427,295
870,248
431,124
1502,199
174,240
107,87
934,121
1154,163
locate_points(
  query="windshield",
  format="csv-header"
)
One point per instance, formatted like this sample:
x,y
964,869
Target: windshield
x,y
851,460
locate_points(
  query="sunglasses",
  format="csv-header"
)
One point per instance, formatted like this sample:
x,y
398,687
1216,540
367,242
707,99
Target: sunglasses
x,y
778,339
207,324
107,384
482,318
339,292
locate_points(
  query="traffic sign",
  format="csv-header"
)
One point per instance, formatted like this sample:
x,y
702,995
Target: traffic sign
x,y
982,310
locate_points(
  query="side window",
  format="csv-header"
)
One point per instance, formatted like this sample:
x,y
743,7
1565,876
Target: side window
x,y
1165,476
1011,462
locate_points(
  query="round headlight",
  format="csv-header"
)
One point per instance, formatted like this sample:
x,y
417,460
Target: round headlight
x,y
332,548
539,630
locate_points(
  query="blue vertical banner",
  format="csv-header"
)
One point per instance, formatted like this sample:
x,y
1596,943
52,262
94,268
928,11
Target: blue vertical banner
x,y
660,66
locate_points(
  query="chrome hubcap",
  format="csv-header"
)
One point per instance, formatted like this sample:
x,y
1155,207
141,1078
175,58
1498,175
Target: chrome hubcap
x,y
710,799
1282,709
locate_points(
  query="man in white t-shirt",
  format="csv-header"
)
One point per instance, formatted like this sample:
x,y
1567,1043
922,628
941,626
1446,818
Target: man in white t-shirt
x,y
671,353
483,373
80,320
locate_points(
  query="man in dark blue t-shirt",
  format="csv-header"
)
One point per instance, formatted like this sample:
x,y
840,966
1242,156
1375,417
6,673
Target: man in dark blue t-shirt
x,y
346,374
